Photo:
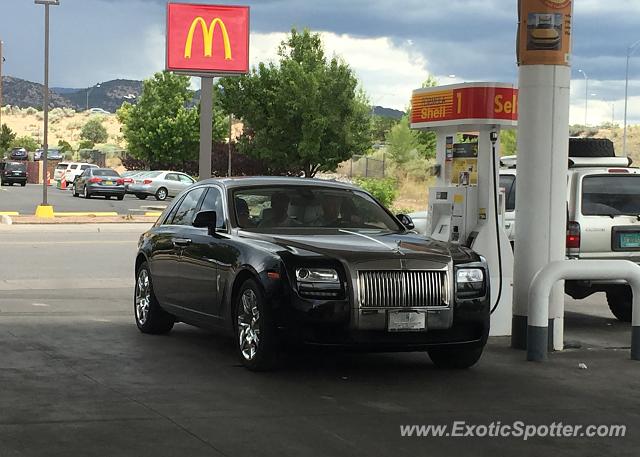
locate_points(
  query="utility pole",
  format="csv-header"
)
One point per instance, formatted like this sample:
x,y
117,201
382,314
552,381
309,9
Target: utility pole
x,y
229,146
44,210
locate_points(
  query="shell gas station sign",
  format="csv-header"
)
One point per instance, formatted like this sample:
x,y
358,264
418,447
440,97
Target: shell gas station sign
x,y
468,103
207,39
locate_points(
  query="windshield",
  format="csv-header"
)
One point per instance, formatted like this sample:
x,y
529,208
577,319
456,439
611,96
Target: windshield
x,y
611,195
282,208
16,166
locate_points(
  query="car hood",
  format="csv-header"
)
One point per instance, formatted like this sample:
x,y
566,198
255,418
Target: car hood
x,y
355,248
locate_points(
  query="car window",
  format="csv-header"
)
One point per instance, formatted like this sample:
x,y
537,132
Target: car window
x,y
16,167
185,179
307,207
73,167
84,167
213,202
171,177
187,209
611,195
61,166
104,172
508,183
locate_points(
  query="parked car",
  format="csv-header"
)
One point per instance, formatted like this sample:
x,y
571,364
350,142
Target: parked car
x,y
99,182
160,184
603,208
19,154
52,154
288,261
129,176
75,169
13,172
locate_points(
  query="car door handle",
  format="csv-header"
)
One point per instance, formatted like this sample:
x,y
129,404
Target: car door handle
x,y
181,241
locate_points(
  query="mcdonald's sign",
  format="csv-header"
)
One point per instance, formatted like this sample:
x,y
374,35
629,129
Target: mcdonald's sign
x,y
207,39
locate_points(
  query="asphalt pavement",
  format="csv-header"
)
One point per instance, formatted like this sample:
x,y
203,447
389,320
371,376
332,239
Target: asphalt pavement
x,y
78,378
24,201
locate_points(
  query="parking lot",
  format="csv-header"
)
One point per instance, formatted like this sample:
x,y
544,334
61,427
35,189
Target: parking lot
x,y
78,378
24,200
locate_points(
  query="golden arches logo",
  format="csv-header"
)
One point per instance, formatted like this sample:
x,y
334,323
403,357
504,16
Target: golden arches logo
x,y
207,37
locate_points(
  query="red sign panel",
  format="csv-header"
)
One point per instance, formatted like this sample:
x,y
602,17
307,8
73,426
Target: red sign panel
x,y
204,39
464,103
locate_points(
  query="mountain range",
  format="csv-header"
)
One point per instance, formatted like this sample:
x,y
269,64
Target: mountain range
x,y
108,95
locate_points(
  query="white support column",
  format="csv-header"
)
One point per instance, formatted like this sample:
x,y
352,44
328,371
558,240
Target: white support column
x,y
543,144
206,127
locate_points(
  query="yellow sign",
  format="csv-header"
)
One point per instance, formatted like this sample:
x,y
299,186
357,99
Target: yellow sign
x,y
464,169
544,32
207,37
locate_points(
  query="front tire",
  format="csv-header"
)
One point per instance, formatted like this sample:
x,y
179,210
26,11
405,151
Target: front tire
x,y
150,317
457,358
621,303
162,194
85,193
75,191
256,339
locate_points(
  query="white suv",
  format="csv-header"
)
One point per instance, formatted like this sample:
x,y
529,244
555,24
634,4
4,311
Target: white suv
x,y
603,210
75,169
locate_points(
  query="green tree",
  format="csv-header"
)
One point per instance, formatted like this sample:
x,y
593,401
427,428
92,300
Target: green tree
x,y
26,142
403,142
94,131
85,144
6,137
64,146
161,128
508,142
381,126
304,114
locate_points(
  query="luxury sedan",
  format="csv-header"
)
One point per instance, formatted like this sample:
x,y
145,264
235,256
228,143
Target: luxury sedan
x,y
286,261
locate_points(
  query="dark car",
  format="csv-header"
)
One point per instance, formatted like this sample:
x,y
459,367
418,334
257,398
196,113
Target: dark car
x,y
13,172
278,261
52,154
19,154
99,182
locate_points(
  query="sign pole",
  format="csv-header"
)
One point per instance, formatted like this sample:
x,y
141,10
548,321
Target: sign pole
x,y
206,127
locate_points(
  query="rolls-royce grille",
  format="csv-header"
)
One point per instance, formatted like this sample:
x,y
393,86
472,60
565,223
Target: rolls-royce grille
x,y
399,289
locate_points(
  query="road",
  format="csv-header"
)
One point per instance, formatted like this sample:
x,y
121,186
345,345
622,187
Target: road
x,y
77,378
25,199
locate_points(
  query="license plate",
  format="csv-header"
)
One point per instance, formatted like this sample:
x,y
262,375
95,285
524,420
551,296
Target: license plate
x,y
109,183
406,321
630,240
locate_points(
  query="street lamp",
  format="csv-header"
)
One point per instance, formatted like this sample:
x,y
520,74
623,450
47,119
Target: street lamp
x,y
45,210
89,90
586,94
630,50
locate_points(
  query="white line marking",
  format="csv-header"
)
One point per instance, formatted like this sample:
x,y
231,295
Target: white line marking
x,y
40,304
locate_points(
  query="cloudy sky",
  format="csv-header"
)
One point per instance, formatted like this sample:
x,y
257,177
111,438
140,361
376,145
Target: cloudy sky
x,y
391,44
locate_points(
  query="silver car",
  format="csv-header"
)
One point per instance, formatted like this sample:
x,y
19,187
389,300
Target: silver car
x,y
160,184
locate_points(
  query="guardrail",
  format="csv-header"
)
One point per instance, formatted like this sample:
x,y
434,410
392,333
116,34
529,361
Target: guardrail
x,y
544,280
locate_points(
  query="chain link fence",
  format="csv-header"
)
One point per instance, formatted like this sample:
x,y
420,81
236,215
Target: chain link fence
x,y
363,166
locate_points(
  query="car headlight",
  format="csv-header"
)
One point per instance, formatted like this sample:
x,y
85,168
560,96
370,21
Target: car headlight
x,y
470,282
323,275
319,283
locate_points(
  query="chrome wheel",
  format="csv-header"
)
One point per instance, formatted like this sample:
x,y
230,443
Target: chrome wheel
x,y
161,194
143,296
248,324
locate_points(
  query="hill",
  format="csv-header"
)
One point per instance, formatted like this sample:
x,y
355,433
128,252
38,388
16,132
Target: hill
x,y
388,112
109,96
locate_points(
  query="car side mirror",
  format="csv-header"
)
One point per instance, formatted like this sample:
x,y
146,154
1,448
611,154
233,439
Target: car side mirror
x,y
206,219
406,221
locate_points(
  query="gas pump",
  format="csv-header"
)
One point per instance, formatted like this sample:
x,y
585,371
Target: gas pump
x,y
466,205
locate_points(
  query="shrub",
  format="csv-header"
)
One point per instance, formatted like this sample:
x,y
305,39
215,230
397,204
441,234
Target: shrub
x,y
384,190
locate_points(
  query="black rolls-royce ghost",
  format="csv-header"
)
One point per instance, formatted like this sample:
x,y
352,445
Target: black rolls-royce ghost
x,y
277,261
